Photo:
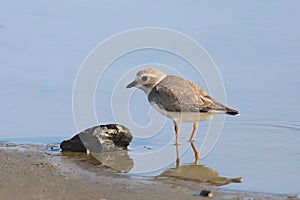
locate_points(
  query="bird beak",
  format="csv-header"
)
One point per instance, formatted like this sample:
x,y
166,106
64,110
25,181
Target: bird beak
x,y
132,84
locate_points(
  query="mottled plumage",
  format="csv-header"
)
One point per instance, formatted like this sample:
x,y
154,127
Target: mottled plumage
x,y
175,94
177,98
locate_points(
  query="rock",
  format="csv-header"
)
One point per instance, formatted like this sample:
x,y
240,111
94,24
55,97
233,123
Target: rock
x,y
74,144
101,138
206,193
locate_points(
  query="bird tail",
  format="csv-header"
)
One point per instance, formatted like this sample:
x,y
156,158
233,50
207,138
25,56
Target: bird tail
x,y
230,111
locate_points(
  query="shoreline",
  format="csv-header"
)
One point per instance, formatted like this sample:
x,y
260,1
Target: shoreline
x,y
33,174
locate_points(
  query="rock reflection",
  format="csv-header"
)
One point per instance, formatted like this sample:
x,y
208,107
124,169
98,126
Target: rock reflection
x,y
200,173
116,161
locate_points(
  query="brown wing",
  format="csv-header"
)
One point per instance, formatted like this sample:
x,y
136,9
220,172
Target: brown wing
x,y
175,94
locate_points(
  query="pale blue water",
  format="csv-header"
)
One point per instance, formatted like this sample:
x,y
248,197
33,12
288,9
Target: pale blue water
x,y
254,44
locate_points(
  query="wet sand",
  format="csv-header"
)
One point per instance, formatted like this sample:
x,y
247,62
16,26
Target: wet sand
x,y
40,175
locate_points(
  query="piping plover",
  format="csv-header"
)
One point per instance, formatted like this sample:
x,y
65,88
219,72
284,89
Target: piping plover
x,y
178,98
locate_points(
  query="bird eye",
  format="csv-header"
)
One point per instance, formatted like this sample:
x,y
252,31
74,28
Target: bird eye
x,y
144,78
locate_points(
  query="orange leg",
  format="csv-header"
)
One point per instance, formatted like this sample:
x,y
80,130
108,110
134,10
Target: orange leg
x,y
176,132
177,157
196,153
194,131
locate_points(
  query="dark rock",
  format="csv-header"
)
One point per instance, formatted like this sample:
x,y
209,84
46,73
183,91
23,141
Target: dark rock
x,y
206,193
101,138
74,144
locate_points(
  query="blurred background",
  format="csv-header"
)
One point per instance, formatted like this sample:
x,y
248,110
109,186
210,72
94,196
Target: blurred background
x,y
42,44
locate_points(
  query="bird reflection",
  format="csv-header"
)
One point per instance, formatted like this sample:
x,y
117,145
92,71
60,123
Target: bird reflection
x,y
199,173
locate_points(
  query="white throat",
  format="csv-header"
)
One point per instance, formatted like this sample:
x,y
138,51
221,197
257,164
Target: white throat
x,y
147,90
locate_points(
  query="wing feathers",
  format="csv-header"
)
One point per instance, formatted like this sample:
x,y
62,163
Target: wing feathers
x,y
175,94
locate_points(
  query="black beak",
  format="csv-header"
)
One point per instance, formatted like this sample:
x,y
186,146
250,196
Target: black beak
x,y
132,84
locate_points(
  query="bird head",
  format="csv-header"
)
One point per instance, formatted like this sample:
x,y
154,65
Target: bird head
x,y
147,79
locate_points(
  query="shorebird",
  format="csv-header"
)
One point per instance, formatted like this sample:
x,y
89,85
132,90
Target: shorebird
x,y
178,98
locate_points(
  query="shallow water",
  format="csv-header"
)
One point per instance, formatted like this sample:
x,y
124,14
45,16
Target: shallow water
x,y
266,155
255,46
269,165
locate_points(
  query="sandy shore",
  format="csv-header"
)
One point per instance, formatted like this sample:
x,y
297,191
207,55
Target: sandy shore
x,y
39,175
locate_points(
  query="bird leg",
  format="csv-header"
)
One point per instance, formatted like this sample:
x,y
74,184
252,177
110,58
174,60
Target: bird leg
x,y
192,142
194,131
176,132
196,152
177,157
